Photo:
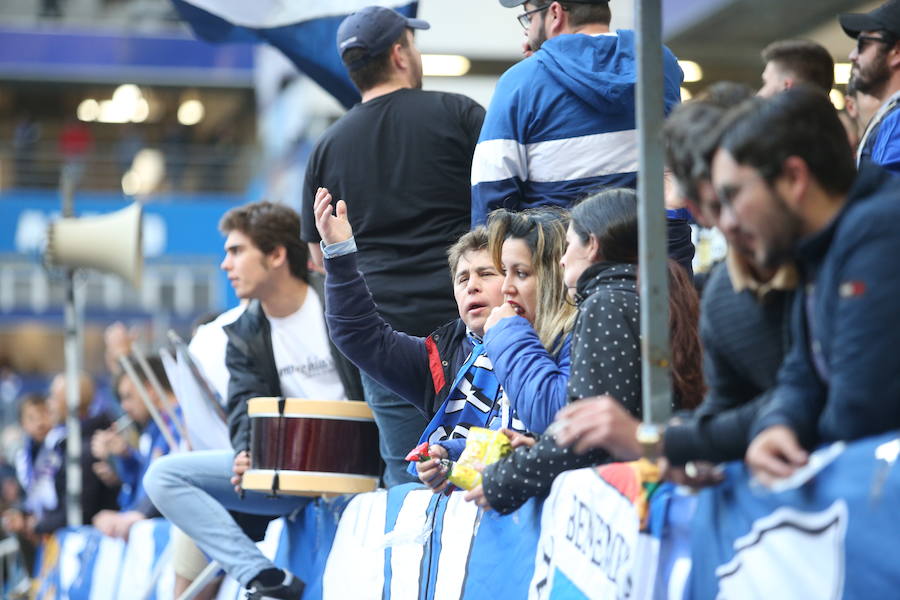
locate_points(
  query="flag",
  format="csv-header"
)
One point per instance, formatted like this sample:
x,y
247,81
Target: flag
x,y
304,31
206,428
830,534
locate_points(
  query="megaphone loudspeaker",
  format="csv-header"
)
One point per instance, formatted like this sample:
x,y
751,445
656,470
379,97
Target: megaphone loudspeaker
x,y
110,243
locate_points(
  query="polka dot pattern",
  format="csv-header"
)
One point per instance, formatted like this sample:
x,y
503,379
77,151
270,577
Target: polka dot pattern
x,y
605,360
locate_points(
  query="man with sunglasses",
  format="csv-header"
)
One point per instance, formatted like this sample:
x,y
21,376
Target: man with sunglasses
x,y
876,71
562,122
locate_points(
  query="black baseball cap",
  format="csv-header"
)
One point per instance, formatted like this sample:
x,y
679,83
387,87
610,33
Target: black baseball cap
x,y
884,18
515,3
374,28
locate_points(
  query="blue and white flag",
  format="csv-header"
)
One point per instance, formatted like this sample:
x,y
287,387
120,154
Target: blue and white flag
x,y
831,534
304,31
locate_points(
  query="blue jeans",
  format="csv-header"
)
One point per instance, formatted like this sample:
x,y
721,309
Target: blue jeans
x,y
193,490
400,425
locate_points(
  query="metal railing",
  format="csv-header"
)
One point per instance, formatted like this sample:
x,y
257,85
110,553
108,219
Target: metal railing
x,y
187,167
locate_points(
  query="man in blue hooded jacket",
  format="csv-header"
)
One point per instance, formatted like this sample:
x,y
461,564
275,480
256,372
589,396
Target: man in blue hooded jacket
x,y
562,122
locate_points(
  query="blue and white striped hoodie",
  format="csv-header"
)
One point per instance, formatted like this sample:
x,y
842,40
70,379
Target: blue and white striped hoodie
x,y
562,124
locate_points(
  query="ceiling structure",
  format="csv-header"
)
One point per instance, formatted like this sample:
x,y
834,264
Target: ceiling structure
x,y
726,36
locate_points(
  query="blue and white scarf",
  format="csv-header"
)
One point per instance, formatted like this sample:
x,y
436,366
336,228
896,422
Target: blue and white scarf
x,y
476,399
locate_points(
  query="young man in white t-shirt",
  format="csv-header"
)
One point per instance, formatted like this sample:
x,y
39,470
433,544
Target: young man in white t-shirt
x,y
279,346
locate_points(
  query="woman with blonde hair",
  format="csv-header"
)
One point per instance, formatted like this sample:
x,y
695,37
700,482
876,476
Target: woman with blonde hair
x,y
528,337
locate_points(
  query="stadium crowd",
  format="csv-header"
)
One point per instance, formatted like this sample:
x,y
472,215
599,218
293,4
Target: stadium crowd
x,y
457,267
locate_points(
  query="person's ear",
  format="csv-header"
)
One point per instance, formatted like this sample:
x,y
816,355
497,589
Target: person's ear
x,y
399,58
278,256
893,56
558,19
794,181
595,251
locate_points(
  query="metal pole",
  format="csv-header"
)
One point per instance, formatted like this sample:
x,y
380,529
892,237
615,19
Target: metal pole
x,y
657,396
73,369
168,407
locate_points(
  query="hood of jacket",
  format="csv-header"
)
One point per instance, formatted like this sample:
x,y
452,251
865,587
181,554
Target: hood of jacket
x,y
602,69
606,276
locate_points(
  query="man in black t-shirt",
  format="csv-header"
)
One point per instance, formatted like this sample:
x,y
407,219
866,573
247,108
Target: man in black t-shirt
x,y
402,161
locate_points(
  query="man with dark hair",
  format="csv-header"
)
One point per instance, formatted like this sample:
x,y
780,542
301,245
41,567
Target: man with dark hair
x,y
789,62
279,346
876,72
744,315
562,123
402,161
793,193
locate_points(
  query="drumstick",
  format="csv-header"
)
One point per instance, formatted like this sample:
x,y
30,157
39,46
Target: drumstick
x,y
168,407
145,398
122,423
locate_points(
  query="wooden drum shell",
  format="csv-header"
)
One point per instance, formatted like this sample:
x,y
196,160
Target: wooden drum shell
x,y
312,447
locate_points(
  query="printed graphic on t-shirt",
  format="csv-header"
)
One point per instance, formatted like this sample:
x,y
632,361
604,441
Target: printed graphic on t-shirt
x,y
314,366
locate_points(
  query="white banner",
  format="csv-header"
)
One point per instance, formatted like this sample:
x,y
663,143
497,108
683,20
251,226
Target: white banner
x,y
590,539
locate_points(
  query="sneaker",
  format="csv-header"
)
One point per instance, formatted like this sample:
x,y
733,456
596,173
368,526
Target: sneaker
x,y
289,589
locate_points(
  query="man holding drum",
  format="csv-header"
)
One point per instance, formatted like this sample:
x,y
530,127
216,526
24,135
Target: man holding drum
x,y
279,346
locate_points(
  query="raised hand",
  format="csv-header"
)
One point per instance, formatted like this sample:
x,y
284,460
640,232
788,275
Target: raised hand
x,y
333,226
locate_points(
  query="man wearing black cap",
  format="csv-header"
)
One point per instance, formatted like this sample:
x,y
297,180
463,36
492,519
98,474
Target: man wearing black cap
x,y
876,71
401,160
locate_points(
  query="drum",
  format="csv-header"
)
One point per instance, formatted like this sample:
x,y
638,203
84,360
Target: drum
x,y
312,447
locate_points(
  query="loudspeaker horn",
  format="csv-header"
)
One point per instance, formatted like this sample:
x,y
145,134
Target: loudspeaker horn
x,y
110,243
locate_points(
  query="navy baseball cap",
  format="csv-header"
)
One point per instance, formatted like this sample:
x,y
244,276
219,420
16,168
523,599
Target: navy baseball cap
x,y
374,29
515,3
884,18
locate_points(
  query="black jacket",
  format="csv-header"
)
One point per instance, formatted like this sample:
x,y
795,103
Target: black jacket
x,y
744,342
606,359
252,370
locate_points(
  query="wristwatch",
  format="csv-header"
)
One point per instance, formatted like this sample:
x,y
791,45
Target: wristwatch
x,y
650,437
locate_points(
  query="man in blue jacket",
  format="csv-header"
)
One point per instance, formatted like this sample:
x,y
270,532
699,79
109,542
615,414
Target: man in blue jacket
x,y
562,122
785,178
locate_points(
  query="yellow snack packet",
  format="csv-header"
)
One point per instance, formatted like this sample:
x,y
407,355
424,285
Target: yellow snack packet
x,y
483,447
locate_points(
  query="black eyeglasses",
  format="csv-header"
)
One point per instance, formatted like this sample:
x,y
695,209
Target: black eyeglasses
x,y
525,17
863,40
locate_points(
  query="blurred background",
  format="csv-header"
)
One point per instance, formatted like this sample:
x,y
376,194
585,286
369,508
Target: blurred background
x,y
119,95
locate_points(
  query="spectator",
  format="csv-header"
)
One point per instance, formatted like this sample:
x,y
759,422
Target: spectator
x,y
745,312
791,194
36,466
601,272
401,160
130,463
876,71
789,62
278,346
96,495
75,143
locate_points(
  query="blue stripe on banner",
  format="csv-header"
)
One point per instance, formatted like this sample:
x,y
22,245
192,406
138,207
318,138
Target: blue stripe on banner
x,y
306,541
81,586
431,552
311,45
395,499
502,557
564,588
